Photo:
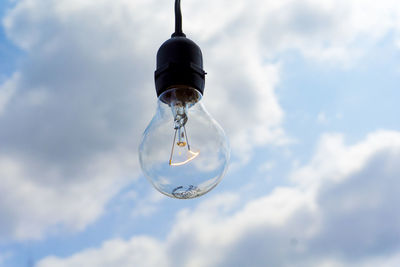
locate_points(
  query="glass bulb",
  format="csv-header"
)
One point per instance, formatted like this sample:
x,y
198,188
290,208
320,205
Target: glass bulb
x,y
184,152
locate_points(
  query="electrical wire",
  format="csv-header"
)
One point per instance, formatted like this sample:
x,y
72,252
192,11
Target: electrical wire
x,y
178,20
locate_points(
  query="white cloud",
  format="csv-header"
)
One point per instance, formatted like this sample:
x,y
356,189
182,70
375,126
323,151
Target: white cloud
x,y
328,31
334,161
29,206
349,219
143,250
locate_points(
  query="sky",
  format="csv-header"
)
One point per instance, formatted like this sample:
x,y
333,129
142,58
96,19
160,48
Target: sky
x,y
306,91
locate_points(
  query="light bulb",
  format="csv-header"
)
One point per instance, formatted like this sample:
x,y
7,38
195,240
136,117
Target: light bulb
x,y
184,152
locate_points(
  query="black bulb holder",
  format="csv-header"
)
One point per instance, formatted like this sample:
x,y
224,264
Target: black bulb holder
x,y
179,61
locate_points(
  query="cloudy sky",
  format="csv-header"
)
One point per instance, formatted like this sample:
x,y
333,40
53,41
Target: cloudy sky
x,y
306,90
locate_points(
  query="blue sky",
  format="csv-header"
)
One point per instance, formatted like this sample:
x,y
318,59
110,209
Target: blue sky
x,y
307,92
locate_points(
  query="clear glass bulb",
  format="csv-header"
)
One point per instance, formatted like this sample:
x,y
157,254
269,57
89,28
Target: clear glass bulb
x,y
184,152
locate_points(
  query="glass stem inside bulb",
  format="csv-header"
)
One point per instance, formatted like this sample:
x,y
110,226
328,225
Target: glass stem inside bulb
x,y
180,136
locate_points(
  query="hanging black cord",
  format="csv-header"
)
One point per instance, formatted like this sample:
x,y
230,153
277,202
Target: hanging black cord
x,y
178,20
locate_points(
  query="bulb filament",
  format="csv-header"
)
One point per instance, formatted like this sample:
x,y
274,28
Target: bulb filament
x,y
180,130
